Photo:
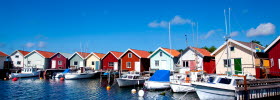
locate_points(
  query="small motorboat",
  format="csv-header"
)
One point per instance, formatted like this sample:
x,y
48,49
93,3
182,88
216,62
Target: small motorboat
x,y
82,73
160,80
26,72
131,79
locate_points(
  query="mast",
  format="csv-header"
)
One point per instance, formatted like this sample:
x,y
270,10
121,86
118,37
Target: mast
x,y
170,44
226,39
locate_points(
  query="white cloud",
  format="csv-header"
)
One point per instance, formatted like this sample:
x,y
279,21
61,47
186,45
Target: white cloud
x,y
29,44
262,29
209,33
42,44
177,20
233,34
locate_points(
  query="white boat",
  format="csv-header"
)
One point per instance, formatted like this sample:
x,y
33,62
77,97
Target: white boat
x,y
26,72
160,80
82,73
220,87
131,79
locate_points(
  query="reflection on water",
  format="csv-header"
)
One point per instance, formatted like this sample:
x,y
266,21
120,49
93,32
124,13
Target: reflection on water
x,y
34,88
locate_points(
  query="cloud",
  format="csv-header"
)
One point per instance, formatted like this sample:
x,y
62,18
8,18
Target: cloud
x,y
42,44
233,34
177,20
29,44
209,33
40,36
262,29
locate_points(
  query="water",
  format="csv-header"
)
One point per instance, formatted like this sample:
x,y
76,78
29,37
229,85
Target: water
x,y
34,88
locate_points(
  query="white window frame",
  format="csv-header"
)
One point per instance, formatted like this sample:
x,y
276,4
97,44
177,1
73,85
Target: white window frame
x,y
28,62
279,63
58,56
111,64
156,63
59,62
128,64
160,53
228,63
17,56
18,62
93,63
129,55
186,63
76,64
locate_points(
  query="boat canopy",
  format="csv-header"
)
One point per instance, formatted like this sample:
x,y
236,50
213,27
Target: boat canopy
x,y
161,75
66,71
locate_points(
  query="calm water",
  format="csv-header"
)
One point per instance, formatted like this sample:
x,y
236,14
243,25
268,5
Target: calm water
x,y
34,88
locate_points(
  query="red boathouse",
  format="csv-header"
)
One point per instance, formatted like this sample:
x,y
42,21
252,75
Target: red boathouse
x,y
111,61
135,60
273,51
60,61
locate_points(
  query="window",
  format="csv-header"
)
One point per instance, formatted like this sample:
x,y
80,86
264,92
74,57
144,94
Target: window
x,y
160,54
92,63
128,64
18,62
58,56
227,63
17,56
59,62
156,62
75,62
111,63
129,55
225,81
232,48
28,62
185,63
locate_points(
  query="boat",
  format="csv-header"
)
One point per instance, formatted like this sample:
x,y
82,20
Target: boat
x,y
131,79
219,87
181,82
159,81
82,73
26,72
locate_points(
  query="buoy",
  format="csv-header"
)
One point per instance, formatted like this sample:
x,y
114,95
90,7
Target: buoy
x,y
108,88
15,79
133,91
41,78
5,78
141,93
61,79
163,93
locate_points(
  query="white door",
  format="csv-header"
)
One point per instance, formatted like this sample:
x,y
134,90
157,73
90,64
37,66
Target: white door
x,y
115,65
137,66
163,65
82,64
53,64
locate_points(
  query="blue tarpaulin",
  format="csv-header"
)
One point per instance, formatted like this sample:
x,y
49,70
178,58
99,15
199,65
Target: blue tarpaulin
x,y
66,71
161,75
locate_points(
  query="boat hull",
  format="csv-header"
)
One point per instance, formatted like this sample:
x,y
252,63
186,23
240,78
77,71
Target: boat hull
x,y
154,85
182,87
129,82
211,93
23,75
78,75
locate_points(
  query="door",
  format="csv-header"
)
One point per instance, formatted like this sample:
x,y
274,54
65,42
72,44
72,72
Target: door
x,y
53,64
82,64
115,65
237,66
97,65
137,67
163,65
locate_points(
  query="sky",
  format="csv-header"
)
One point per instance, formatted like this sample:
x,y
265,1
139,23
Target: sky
x,y
117,25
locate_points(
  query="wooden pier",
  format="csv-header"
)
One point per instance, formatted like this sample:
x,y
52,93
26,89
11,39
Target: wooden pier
x,y
258,89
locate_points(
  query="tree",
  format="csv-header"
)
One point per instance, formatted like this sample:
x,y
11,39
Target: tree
x,y
258,42
180,50
150,52
210,49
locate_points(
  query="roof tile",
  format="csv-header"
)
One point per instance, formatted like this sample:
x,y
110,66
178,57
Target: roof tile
x,y
173,52
204,52
3,54
83,54
46,54
100,55
23,52
117,54
141,53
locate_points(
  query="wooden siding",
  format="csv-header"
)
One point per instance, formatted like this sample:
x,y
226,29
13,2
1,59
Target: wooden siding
x,y
274,54
109,58
64,65
76,58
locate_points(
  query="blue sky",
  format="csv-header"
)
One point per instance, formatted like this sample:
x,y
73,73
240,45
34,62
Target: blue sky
x,y
116,25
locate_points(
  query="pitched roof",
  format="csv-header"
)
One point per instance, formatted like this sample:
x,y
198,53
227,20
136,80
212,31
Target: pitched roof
x,y
99,55
204,52
141,53
83,54
173,52
3,54
116,54
23,52
66,55
46,54
271,44
248,44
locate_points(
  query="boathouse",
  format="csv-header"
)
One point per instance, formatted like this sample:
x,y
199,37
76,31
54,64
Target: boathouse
x,y
135,60
111,61
3,58
94,60
78,59
193,58
60,60
17,58
241,57
273,51
164,59
38,59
